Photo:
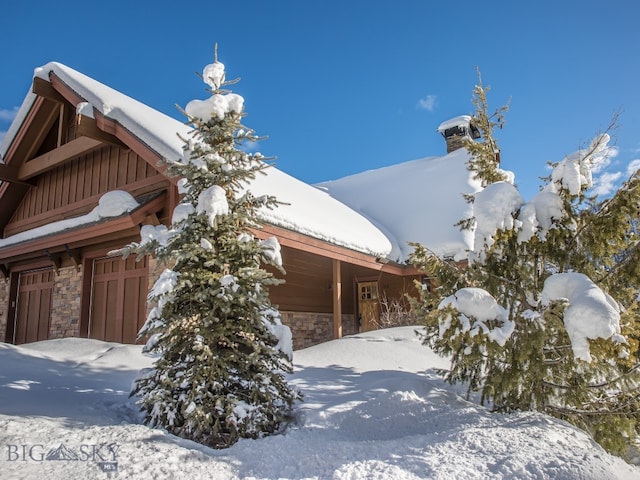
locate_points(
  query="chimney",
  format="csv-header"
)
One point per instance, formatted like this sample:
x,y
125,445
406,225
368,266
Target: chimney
x,y
457,130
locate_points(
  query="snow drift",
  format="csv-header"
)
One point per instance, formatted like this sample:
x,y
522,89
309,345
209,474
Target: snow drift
x,y
373,408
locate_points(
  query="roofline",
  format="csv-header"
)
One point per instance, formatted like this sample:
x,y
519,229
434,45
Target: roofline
x,y
112,126
299,241
287,237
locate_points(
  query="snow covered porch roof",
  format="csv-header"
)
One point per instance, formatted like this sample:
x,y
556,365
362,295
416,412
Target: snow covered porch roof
x,y
116,216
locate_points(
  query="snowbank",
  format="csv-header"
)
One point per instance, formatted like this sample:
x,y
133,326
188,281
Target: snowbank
x,y
373,409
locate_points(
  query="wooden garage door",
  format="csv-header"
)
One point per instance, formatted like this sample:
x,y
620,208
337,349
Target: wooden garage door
x,y
118,299
33,311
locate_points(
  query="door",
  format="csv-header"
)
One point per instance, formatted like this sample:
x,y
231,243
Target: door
x,y
118,299
368,308
33,308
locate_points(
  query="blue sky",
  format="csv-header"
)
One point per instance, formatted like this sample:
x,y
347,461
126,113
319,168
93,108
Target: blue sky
x,y
340,87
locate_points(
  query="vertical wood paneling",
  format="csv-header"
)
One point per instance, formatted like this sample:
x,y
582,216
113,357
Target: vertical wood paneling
x,y
122,168
27,205
131,170
66,184
118,304
114,162
93,174
113,321
141,171
33,312
74,185
98,310
87,169
44,313
103,170
22,316
53,178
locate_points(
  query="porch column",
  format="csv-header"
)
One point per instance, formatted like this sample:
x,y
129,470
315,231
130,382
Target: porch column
x,y
336,288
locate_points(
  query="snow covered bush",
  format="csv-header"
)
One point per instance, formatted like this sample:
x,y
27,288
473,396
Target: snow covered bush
x,y
223,351
531,321
395,312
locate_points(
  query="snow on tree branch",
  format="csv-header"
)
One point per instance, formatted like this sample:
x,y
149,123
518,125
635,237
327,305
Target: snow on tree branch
x,y
590,312
477,311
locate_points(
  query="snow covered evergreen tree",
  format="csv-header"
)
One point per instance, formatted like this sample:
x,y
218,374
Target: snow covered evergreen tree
x,y
530,320
223,351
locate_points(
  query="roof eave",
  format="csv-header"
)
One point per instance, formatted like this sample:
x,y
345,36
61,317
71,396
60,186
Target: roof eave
x,y
91,234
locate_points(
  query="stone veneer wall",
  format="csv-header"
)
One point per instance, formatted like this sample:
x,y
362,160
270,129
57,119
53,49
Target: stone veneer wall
x,y
310,329
155,270
65,303
4,307
455,142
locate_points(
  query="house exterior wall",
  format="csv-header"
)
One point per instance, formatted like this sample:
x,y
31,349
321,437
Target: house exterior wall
x,y
308,327
73,188
72,167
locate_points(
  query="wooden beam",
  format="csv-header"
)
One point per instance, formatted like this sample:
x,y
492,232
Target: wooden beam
x,y
336,289
151,220
44,89
57,263
305,243
87,127
4,270
8,173
75,257
60,125
57,157
38,123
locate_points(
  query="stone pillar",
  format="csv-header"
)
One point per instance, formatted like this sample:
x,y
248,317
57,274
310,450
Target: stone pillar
x,y
65,303
155,270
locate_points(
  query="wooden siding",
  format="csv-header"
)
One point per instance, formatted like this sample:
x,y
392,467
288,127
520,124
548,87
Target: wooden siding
x,y
35,291
74,188
308,283
118,300
309,280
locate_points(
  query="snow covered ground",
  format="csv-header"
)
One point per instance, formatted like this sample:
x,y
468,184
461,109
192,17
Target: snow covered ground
x,y
374,409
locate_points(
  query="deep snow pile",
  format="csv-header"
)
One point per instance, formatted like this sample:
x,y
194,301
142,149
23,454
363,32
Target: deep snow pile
x,y
430,189
373,408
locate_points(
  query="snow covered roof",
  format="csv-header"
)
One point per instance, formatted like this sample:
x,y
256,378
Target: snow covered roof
x,y
460,121
416,201
375,212
308,210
